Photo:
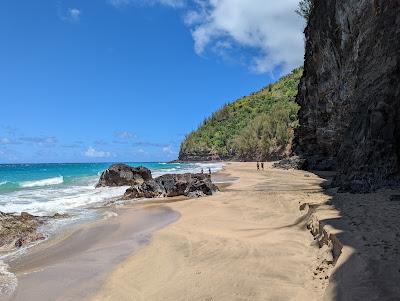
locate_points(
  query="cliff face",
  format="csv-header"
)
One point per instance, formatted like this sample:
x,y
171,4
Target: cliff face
x,y
350,92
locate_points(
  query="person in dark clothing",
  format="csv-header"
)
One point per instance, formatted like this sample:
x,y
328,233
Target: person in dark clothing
x,y
209,171
258,166
262,165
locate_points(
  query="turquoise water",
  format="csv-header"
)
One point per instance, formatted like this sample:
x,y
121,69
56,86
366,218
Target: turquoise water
x,y
50,188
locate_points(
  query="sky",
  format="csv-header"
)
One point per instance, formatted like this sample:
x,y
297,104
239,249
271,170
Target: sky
x,y
126,80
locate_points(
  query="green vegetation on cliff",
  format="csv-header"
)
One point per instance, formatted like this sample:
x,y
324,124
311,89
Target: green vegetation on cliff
x,y
255,127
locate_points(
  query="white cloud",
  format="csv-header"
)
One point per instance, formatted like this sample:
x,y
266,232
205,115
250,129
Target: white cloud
x,y
74,14
269,31
93,153
71,15
270,27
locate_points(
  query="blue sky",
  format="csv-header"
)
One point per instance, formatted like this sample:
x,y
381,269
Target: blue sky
x,y
125,80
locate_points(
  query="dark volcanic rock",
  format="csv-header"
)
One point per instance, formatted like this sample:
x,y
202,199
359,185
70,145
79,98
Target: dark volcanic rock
x,y
350,93
124,175
170,185
186,184
148,189
200,185
19,230
294,162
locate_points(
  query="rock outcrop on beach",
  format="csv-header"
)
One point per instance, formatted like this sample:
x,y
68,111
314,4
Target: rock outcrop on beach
x,y
144,186
170,185
19,230
350,93
124,175
294,162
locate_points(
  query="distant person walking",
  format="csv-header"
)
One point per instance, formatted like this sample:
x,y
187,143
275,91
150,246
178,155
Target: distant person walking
x,y
262,165
209,170
202,170
258,166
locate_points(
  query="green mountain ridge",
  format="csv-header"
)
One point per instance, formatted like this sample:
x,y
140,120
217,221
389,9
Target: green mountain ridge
x,y
255,127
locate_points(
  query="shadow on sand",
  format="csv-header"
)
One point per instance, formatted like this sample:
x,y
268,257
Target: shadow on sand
x,y
368,227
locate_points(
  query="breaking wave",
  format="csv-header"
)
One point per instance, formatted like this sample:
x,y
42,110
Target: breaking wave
x,y
44,182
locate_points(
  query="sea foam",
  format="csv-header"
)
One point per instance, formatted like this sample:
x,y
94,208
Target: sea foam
x,y
8,281
73,191
44,182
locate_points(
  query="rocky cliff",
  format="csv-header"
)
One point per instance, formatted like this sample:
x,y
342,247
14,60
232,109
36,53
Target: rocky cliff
x,y
350,92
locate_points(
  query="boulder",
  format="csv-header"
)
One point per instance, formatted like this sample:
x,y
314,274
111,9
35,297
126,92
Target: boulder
x,y
294,162
199,187
174,184
148,189
19,230
170,185
124,175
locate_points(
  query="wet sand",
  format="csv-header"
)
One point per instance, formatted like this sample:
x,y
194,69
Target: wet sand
x,y
248,242
73,265
268,235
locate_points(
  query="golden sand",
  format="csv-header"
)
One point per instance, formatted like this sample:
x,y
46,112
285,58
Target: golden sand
x,y
248,242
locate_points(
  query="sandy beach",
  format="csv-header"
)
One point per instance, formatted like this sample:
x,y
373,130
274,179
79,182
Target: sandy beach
x,y
267,235
73,264
248,242
200,150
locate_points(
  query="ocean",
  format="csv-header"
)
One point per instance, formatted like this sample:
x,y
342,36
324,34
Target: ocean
x,y
46,189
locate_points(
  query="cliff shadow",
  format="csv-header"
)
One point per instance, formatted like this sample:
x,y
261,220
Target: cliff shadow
x,y
368,228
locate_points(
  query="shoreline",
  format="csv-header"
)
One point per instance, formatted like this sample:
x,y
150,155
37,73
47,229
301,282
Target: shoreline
x,y
74,262
21,262
267,235
248,242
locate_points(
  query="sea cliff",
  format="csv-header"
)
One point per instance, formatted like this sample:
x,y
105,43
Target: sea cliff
x,y
350,91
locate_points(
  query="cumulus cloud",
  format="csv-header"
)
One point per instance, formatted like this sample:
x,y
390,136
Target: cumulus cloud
x,y
263,34
270,28
93,153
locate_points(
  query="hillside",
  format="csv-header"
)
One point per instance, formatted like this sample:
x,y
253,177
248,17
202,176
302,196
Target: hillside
x,y
255,127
